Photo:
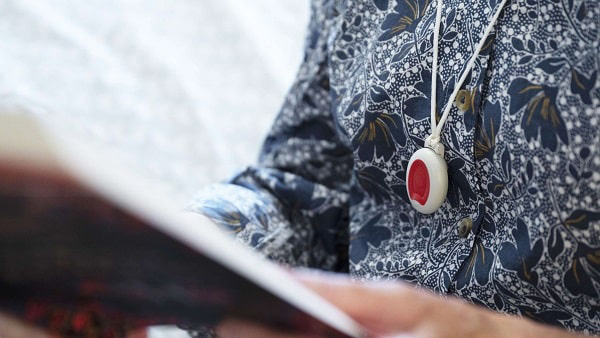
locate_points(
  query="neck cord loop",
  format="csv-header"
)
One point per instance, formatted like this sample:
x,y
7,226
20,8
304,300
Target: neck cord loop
x,y
434,67
436,128
427,171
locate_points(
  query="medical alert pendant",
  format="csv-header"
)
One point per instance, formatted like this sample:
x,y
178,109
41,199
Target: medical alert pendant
x,y
427,179
427,172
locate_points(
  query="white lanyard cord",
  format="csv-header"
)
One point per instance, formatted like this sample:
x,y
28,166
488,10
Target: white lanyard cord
x,y
436,129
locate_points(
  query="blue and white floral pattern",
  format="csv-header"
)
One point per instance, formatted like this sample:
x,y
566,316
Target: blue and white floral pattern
x,y
521,141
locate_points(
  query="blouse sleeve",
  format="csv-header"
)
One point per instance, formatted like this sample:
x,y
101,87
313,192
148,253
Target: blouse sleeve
x,y
293,205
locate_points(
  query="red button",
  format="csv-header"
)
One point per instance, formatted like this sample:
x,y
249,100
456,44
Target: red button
x,y
418,182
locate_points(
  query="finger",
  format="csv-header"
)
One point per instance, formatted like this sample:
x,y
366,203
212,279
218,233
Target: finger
x,y
380,306
235,328
13,327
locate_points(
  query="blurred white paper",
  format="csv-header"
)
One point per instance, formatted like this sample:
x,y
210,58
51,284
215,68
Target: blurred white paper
x,y
186,89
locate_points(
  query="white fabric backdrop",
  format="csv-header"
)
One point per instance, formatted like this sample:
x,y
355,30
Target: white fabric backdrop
x,y
186,89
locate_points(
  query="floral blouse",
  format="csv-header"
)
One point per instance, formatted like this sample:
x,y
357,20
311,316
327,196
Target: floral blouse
x,y
519,231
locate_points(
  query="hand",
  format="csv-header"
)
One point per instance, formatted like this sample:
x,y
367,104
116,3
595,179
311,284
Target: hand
x,y
395,309
14,327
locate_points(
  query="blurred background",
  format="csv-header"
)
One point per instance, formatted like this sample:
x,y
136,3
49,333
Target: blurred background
x,y
183,90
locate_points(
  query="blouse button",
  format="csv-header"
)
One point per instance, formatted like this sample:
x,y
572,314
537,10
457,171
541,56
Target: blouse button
x,y
464,227
463,100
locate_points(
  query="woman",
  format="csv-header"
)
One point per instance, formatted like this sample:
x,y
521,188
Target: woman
x,y
515,110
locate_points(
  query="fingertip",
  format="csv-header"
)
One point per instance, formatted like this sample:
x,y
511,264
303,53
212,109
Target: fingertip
x,y
313,277
227,328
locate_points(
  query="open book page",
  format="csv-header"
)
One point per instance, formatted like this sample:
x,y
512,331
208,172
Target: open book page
x,y
86,247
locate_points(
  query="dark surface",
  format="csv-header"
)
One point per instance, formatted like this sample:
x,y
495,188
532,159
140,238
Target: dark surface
x,y
79,266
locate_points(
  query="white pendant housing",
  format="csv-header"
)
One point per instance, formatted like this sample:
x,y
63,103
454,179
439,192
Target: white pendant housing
x,y
427,180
